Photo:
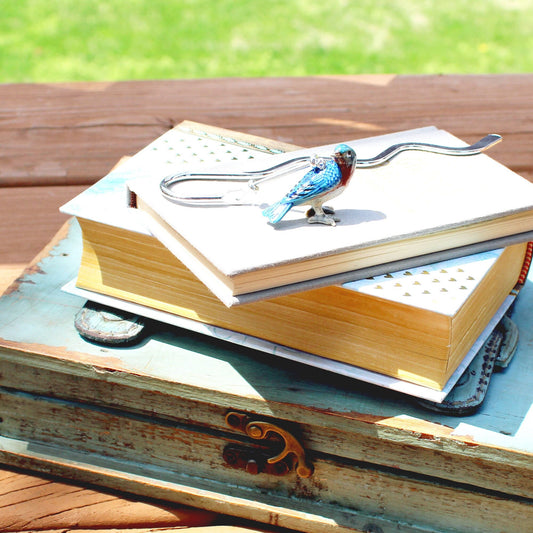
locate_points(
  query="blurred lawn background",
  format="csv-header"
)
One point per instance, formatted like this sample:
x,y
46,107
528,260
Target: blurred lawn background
x,y
69,40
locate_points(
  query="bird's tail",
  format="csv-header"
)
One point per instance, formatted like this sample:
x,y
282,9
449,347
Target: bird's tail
x,y
277,211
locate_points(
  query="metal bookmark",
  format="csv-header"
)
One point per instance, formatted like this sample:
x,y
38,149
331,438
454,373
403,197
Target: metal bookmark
x,y
254,178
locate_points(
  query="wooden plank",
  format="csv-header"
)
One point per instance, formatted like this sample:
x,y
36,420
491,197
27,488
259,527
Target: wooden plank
x,y
31,502
372,498
408,444
177,529
8,274
29,217
73,133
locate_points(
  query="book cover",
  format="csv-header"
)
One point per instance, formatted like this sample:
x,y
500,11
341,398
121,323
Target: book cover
x,y
187,146
418,209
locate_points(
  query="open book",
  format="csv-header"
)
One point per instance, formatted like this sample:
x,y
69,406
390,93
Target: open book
x,y
418,209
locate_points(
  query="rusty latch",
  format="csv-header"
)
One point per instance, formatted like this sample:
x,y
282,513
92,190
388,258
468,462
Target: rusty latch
x,y
254,461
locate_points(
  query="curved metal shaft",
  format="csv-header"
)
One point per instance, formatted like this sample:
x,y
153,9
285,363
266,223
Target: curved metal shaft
x,y
255,177
395,149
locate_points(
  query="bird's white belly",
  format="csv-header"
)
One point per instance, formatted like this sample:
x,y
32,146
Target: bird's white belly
x,y
319,200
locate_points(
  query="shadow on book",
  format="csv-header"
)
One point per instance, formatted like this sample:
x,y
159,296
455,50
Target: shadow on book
x,y
348,217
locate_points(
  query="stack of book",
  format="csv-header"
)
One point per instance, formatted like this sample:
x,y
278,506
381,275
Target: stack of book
x,y
402,292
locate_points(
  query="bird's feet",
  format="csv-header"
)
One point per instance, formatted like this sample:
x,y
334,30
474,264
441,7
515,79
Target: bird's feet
x,y
324,216
325,209
323,219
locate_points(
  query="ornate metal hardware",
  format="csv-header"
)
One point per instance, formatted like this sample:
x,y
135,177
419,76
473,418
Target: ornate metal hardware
x,y
254,461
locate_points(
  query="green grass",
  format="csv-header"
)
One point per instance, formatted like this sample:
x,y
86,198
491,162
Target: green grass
x,y
68,40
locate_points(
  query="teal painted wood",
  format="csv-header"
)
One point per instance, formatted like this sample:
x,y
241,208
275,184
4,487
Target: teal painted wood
x,y
338,497
38,312
373,450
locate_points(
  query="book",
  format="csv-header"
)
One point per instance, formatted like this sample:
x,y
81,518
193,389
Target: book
x,y
417,325
123,261
420,208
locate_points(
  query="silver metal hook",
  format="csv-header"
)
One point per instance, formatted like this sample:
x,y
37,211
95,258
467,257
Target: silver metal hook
x,y
253,178
256,177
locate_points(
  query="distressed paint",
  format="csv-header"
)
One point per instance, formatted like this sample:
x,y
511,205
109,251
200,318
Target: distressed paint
x,y
189,382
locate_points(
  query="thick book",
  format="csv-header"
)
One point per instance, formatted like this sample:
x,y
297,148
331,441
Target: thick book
x,y
416,325
123,261
418,209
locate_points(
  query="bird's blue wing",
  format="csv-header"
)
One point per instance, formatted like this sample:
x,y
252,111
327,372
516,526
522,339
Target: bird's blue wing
x,y
314,183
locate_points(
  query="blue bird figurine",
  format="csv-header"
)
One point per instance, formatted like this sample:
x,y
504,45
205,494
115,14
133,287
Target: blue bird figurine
x,y
318,186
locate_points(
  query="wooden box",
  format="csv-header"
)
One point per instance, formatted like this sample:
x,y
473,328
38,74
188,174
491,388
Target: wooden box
x,y
191,419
